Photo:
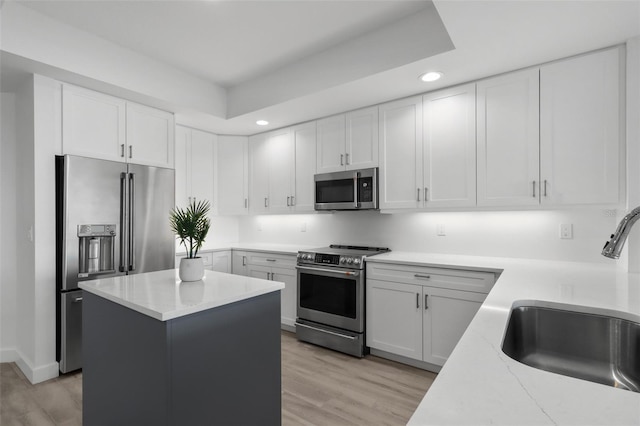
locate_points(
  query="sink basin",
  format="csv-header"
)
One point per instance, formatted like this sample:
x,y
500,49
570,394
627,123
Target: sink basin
x,y
574,341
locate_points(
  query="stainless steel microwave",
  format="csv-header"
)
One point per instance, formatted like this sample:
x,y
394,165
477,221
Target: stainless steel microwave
x,y
349,190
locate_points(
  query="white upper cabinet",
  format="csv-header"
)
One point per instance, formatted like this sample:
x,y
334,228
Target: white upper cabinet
x,y
580,128
304,137
348,141
194,166
150,136
93,124
231,183
281,170
271,172
508,139
449,154
361,139
331,144
400,180
101,126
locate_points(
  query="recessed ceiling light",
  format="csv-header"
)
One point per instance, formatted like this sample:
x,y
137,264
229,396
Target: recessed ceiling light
x,y
431,76
262,122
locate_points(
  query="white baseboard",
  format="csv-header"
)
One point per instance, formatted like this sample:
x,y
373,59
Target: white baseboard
x,y
37,374
8,355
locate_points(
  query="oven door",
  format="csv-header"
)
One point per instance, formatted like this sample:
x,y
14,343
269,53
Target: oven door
x,y
333,297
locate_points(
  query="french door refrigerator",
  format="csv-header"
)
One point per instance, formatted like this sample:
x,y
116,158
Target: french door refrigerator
x,y
111,219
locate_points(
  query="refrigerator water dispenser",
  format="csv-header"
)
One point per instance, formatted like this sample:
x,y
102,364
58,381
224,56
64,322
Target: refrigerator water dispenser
x,y
97,249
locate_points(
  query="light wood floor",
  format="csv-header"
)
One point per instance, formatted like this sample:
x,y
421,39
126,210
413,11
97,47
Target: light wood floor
x,y
319,387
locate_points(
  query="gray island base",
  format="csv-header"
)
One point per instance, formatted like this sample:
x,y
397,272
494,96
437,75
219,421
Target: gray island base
x,y
219,366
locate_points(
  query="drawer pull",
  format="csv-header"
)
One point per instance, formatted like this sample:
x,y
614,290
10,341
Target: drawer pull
x,y
271,260
426,277
417,300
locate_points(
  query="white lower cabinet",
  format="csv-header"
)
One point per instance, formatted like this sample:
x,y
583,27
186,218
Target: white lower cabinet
x,y
277,267
239,265
219,261
421,314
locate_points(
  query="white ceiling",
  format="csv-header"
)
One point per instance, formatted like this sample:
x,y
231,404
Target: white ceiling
x,y
261,51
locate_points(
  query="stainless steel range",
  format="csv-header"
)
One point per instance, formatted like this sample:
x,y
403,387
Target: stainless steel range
x,y
331,300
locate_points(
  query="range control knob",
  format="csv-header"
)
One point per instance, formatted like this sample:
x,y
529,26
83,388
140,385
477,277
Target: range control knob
x,y
356,261
350,260
342,259
309,256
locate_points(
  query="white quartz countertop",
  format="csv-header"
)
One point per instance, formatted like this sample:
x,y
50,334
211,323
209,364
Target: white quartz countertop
x,y
480,385
161,295
264,247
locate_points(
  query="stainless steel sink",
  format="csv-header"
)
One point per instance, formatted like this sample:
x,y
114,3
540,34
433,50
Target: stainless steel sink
x,y
584,343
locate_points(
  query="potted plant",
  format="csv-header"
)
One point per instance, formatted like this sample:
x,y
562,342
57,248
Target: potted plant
x,y
191,226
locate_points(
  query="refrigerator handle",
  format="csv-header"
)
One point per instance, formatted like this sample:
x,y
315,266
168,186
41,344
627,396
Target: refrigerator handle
x,y
123,177
132,239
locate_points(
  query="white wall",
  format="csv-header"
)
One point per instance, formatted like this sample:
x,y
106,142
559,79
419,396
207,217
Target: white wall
x,y
8,258
528,234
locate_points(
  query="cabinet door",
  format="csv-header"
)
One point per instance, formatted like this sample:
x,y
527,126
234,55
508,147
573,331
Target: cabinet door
x,y
231,180
281,171
450,147
447,314
362,139
221,261
239,265
331,144
258,174
93,124
401,153
182,166
262,272
304,137
508,142
288,295
580,122
202,165
394,318
150,138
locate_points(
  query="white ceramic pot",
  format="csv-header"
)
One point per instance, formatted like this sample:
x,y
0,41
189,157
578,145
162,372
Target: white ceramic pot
x,y
191,269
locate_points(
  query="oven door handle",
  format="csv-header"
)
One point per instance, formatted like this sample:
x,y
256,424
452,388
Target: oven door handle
x,y
325,271
333,333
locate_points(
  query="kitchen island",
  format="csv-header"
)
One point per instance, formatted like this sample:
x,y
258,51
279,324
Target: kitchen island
x,y
157,351
480,385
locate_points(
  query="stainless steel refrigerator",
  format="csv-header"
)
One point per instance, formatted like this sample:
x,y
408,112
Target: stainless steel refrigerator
x,y
111,219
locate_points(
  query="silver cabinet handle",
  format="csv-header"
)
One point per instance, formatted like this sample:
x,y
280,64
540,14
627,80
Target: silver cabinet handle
x,y
418,198
244,260
289,201
425,302
417,300
271,260
265,202
533,185
246,203
347,158
77,299
426,193
130,151
342,159
123,203
132,229
426,277
122,150
293,200
545,187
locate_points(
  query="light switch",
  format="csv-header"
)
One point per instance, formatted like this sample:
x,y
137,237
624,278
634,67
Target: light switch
x,y
566,231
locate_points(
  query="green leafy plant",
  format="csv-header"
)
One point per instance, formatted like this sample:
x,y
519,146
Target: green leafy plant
x,y
191,225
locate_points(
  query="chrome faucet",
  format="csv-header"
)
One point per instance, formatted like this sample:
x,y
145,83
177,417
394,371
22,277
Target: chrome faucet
x,y
613,247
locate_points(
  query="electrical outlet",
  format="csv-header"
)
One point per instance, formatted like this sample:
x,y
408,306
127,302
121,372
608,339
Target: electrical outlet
x,y
303,227
440,230
566,231
259,226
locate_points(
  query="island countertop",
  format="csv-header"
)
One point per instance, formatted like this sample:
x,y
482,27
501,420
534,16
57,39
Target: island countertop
x,y
161,295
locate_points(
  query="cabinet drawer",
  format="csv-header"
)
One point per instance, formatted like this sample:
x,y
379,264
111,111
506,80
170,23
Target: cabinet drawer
x,y
454,279
207,258
269,259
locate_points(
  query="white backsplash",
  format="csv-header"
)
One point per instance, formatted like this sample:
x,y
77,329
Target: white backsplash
x,y
526,234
